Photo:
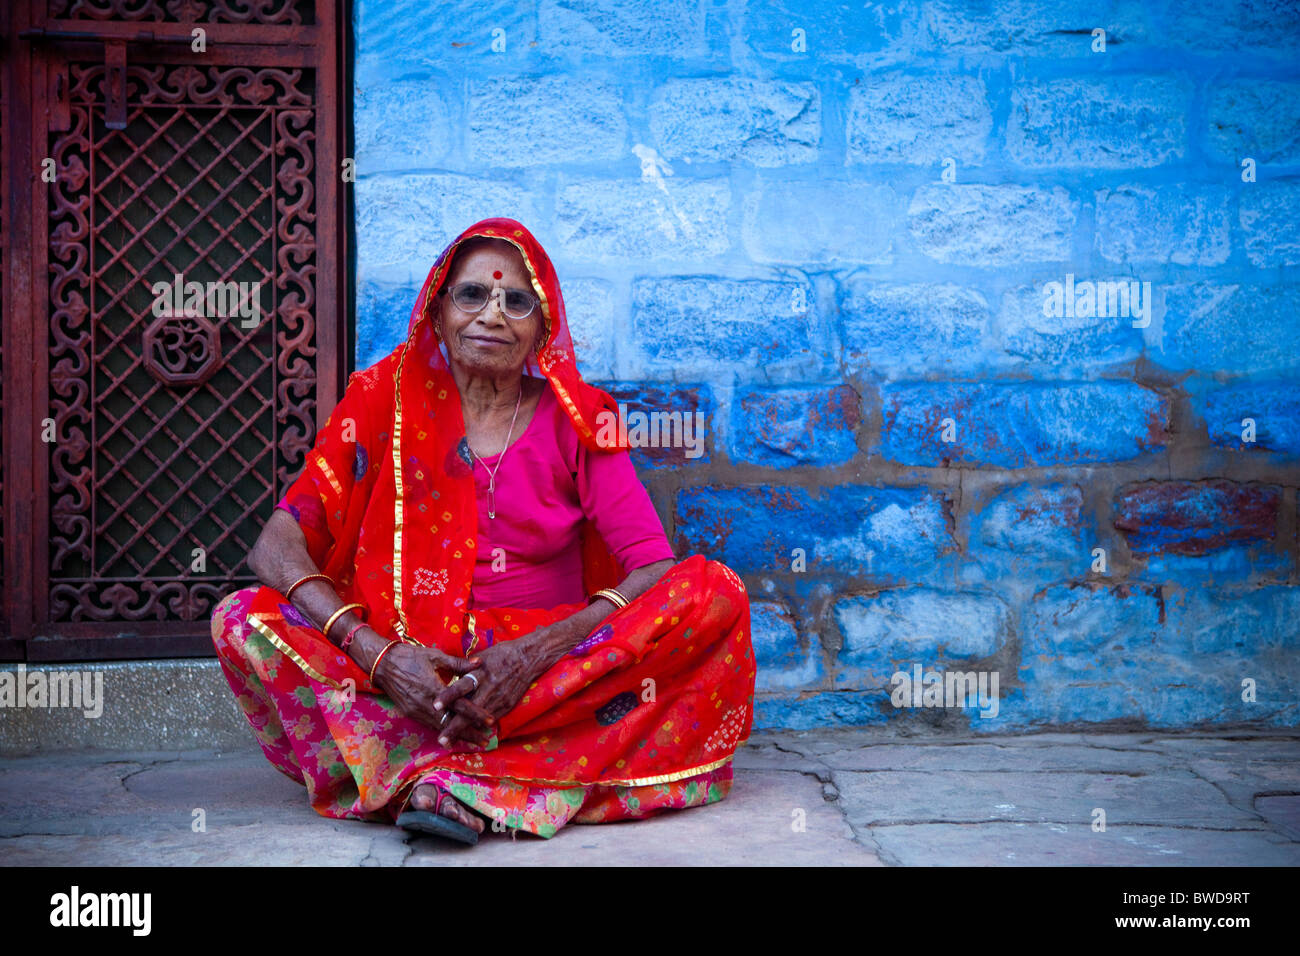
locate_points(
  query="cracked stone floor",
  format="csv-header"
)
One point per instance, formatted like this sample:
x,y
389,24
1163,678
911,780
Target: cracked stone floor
x,y
1175,799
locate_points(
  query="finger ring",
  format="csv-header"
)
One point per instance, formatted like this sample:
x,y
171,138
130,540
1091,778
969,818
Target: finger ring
x,y
444,718
474,678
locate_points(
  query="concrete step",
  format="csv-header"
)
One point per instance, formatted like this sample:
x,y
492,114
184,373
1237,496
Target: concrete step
x,y
123,705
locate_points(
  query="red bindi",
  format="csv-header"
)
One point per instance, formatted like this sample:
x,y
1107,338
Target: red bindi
x,y
497,274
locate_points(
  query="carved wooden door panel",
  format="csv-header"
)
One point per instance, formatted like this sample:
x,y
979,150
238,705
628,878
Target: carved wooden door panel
x,y
186,265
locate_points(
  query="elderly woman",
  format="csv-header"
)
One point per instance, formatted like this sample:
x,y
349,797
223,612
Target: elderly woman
x,y
469,608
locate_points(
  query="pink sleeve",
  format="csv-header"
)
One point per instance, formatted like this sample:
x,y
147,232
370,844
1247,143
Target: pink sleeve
x,y
615,500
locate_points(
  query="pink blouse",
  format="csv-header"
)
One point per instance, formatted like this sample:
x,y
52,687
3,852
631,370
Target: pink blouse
x,y
529,555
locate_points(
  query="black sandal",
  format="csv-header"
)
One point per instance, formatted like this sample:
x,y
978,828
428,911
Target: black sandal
x,y
433,822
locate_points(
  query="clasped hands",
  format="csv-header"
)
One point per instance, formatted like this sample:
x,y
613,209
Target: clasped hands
x,y
409,675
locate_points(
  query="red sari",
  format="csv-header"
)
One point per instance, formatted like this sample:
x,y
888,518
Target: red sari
x,y
643,715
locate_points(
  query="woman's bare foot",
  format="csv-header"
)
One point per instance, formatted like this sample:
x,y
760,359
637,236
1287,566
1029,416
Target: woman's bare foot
x,y
425,797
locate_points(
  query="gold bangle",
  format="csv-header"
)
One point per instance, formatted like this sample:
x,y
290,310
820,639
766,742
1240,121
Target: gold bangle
x,y
379,657
611,595
288,595
338,614
615,596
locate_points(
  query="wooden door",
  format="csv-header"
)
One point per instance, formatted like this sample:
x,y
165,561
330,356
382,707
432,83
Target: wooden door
x,y
153,146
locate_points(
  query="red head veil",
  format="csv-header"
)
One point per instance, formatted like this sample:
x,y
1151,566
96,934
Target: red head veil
x,y
392,479
428,401
555,358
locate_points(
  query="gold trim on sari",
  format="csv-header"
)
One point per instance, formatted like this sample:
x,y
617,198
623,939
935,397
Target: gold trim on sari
x,y
264,629
607,782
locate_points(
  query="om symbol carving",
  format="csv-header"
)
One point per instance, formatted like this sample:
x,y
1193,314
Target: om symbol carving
x,y
182,349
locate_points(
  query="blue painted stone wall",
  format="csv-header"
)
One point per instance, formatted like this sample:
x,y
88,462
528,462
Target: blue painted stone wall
x,y
829,227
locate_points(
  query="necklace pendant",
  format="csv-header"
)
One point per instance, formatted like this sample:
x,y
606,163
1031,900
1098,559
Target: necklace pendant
x,y
492,472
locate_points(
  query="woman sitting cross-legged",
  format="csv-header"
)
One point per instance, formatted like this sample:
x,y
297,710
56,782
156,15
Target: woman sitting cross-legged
x,y
469,610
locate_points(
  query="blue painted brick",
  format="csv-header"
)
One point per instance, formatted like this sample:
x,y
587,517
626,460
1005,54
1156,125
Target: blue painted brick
x,y
583,29
383,312
1116,122
1261,29
985,225
705,321
832,33
396,38
1270,220
794,426
792,222
894,630
1252,562
640,220
1093,653
405,221
1233,621
1256,118
919,120
383,146
784,662
885,533
593,324
760,122
1193,517
555,118
809,711
1032,523
1185,225
892,328
1049,29
1020,425
1213,327
1273,406
1052,344
1090,632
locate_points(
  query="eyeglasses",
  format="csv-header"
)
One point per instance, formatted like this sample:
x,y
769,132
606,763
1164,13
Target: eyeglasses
x,y
473,297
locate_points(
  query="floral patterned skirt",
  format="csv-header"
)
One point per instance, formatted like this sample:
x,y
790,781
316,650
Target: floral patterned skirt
x,y
562,754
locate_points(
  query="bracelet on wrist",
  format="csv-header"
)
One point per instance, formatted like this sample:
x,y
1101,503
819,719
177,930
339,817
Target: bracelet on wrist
x,y
355,606
611,595
288,595
352,632
380,656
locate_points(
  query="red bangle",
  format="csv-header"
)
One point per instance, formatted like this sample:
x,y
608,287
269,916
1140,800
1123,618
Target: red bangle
x,y
351,634
379,657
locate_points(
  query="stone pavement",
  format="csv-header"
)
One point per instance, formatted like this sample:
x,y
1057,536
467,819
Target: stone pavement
x,y
863,798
